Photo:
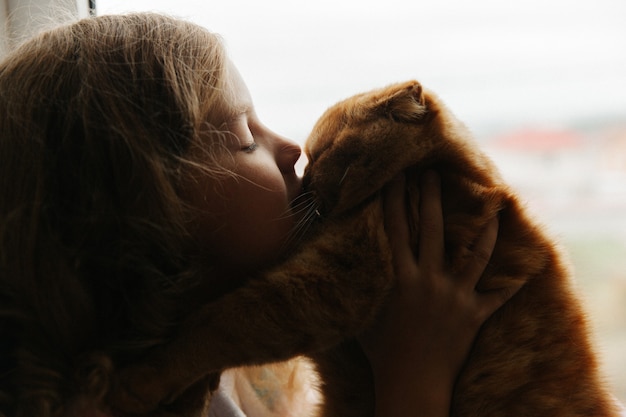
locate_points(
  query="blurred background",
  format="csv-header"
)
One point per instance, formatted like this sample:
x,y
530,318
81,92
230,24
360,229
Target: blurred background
x,y
541,83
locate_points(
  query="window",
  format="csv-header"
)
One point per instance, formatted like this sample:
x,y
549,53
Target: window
x,y
542,83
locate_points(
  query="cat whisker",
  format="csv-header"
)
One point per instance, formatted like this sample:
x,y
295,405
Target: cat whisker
x,y
309,215
299,204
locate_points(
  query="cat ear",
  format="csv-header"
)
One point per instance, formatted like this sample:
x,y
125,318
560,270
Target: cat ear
x,y
405,104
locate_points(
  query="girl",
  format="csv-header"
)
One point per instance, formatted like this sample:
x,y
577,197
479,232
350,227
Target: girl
x,y
137,182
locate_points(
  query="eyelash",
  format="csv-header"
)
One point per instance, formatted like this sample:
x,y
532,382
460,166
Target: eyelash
x,y
251,148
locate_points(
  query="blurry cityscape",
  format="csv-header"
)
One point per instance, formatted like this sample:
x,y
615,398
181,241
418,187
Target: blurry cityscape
x,y
574,181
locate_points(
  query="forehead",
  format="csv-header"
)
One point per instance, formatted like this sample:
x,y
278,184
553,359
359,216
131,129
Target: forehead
x,y
226,98
237,96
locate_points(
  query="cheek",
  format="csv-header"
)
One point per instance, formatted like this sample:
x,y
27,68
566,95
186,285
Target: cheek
x,y
261,225
245,225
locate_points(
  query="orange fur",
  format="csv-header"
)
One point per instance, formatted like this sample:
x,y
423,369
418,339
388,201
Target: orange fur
x,y
284,389
532,358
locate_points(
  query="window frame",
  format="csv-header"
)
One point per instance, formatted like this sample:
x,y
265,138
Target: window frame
x,y
20,19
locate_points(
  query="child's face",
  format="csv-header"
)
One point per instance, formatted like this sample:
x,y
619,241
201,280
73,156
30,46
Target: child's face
x,y
245,221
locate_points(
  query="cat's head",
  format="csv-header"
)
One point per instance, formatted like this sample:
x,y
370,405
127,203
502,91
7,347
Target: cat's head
x,y
361,143
354,143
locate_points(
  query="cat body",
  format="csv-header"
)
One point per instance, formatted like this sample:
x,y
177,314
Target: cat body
x,y
533,357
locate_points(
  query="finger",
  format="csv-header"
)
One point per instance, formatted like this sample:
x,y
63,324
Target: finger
x,y
480,255
431,244
396,224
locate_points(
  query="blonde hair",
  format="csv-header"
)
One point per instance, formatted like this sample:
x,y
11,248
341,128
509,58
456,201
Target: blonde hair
x,y
97,119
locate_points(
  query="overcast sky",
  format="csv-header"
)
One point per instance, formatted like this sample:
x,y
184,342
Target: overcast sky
x,y
496,63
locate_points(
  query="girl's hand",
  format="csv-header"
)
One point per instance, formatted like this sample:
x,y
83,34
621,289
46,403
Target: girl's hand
x,y
419,344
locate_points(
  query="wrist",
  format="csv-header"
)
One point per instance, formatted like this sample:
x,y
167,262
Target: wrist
x,y
413,391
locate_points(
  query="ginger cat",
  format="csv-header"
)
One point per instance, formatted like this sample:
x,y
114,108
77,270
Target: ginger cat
x,y
533,357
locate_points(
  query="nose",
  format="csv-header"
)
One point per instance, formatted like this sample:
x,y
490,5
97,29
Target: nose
x,y
287,154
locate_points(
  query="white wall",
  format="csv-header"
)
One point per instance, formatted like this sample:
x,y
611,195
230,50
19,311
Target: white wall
x,y
20,19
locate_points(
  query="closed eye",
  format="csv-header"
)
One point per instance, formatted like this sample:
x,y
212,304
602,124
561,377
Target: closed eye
x,y
251,148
